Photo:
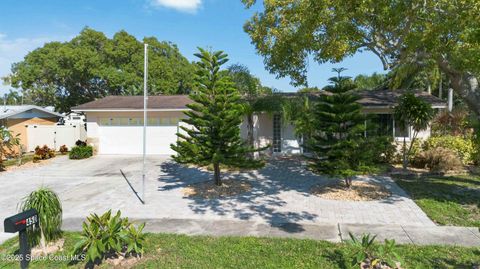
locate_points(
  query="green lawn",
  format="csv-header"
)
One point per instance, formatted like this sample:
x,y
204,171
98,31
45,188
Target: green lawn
x,y
447,200
25,159
177,251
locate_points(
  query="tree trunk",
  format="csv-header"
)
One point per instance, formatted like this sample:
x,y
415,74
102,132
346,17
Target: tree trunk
x,y
405,161
43,242
250,139
464,84
216,174
348,182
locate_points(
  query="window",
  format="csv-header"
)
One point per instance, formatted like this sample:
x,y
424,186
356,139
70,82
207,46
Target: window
x,y
277,133
123,121
401,132
164,121
380,124
153,121
105,121
174,121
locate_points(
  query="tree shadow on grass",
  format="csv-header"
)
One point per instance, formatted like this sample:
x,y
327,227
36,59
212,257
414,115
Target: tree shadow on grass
x,y
442,189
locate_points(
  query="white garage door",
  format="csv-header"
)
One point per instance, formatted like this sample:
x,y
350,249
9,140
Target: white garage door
x,y
129,139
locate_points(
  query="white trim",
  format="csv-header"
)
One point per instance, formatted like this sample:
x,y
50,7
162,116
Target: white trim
x,y
390,107
29,107
130,110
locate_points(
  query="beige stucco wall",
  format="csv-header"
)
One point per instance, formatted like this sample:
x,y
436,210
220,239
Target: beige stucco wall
x,y
18,127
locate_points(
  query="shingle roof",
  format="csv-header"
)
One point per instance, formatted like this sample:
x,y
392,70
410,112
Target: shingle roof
x,y
9,111
378,98
382,98
136,102
390,98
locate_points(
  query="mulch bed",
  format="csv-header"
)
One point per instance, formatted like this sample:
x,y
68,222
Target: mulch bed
x,y
360,191
209,190
50,248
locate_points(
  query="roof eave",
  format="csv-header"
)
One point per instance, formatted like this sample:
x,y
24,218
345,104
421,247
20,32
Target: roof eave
x,y
128,109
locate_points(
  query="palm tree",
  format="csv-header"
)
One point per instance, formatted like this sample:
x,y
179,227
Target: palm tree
x,y
255,97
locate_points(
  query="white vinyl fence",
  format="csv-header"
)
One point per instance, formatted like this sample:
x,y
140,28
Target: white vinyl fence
x,y
54,136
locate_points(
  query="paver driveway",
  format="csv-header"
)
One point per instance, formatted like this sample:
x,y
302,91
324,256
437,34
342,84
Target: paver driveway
x,y
279,194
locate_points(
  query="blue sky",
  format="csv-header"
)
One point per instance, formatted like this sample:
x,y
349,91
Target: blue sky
x,y
28,24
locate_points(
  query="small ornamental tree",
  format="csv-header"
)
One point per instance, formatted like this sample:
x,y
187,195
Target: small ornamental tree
x,y
341,126
8,141
412,112
213,133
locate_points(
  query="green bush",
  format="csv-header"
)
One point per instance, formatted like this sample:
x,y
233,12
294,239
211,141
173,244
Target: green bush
x,y
80,152
463,147
106,235
368,254
372,151
49,209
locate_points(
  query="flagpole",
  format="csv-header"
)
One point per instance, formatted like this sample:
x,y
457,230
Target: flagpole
x,y
145,100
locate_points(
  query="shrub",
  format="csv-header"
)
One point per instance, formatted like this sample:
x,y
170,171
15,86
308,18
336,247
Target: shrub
x,y
367,254
381,149
463,147
81,152
63,149
37,158
49,209
106,235
81,143
451,123
438,160
44,152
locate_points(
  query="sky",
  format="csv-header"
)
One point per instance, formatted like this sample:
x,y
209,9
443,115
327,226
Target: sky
x,y
217,24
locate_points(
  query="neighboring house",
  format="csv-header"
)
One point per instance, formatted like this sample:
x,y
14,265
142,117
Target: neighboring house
x,y
115,123
17,118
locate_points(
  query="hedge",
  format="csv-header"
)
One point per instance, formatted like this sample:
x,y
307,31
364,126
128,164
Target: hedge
x,y
80,152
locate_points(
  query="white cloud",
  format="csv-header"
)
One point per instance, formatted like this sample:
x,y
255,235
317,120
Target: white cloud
x,y
13,50
181,5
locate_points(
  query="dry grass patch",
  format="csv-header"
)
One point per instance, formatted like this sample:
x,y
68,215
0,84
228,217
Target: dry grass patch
x,y
209,190
360,191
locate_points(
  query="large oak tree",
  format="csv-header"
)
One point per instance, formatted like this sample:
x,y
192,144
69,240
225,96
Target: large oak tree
x,y
91,66
289,33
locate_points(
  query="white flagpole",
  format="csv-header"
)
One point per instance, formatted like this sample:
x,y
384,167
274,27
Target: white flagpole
x,y
145,100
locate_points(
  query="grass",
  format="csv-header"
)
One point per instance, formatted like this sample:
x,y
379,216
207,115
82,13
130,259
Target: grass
x,y
26,158
180,251
453,200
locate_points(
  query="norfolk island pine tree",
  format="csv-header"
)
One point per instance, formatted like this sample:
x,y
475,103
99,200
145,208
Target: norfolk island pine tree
x,y
212,134
341,126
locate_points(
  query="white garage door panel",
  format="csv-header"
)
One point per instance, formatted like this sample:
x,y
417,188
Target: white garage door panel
x,y
129,139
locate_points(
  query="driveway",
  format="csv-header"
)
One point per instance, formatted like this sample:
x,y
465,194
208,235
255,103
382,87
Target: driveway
x,y
279,194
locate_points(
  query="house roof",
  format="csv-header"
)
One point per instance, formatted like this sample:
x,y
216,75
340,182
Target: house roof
x,y
10,111
381,98
160,102
378,98
389,98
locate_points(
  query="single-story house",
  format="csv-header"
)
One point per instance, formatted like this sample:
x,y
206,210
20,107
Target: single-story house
x,y
115,123
17,118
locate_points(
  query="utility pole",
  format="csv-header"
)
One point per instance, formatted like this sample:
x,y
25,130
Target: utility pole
x,y
145,101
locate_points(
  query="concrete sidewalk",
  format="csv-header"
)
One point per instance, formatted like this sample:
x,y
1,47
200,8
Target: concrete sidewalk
x,y
418,235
